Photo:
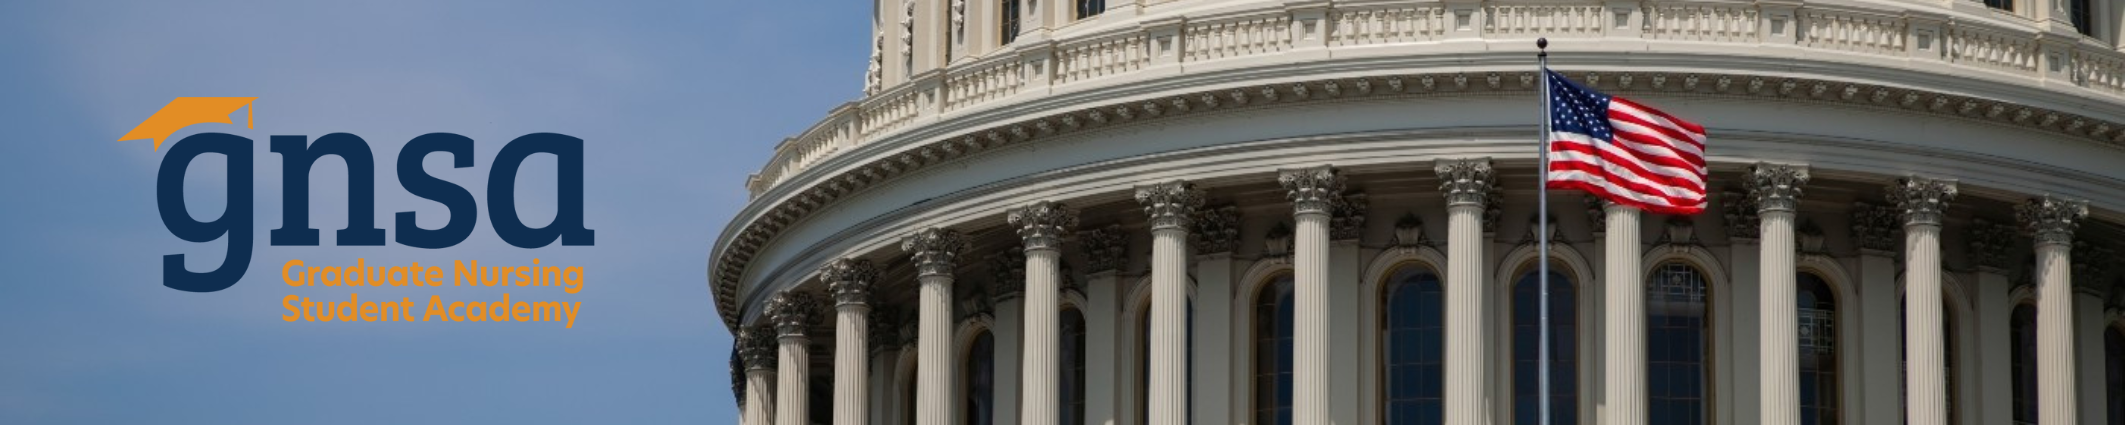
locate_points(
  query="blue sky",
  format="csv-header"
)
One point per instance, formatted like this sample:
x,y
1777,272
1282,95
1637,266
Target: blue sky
x,y
677,102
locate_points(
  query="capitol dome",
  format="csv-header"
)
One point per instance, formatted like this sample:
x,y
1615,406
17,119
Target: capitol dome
x,y
1269,212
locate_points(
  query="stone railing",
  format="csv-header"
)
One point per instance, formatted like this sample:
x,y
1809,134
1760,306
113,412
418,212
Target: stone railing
x,y
1241,35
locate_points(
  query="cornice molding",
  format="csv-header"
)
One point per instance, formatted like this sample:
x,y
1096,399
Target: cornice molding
x,y
881,162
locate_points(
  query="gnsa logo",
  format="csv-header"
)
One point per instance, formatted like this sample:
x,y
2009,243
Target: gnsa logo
x,y
299,153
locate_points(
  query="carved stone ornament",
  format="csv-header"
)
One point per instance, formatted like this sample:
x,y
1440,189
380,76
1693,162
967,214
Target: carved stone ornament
x,y
1170,205
1776,187
2092,264
793,312
1921,200
874,77
1043,224
1740,211
1314,190
1597,213
1347,222
1875,228
1680,231
1990,243
850,281
1278,242
959,21
2051,220
885,330
1810,239
1217,230
1007,269
757,346
976,303
1409,230
907,31
935,250
1555,235
1106,248
1465,181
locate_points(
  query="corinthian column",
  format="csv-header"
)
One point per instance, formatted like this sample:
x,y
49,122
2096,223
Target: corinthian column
x,y
1313,193
850,282
794,313
1467,184
1171,206
1625,324
1776,189
2052,222
1042,226
1922,202
935,252
757,346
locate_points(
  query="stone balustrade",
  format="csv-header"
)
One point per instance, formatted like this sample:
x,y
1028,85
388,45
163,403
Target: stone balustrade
x,y
1254,34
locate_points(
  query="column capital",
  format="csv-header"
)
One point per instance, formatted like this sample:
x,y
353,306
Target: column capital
x,y
793,312
1989,244
885,330
1171,205
1007,269
737,376
1465,181
1776,187
756,346
1741,215
936,250
1217,229
1922,200
2050,219
1043,224
1874,227
1312,190
1106,248
850,281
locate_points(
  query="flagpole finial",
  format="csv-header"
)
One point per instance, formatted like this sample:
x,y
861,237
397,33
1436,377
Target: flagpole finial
x,y
1543,45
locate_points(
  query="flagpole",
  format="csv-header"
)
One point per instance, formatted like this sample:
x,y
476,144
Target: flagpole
x,y
1542,234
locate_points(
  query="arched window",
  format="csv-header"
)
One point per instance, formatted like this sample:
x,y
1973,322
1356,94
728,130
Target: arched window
x,y
2023,363
1007,25
907,396
1412,340
1563,354
1948,344
1272,352
1676,373
2114,355
1073,363
1090,8
1819,387
980,381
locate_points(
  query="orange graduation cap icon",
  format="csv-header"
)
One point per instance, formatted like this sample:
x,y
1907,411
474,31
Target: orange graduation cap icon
x,y
185,111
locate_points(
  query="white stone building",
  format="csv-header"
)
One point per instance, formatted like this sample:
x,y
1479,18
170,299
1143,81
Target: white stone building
x,y
1321,211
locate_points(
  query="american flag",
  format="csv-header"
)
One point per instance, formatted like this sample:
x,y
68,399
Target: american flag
x,y
1622,151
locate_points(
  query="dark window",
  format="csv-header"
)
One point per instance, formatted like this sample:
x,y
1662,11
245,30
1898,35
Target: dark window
x,y
980,384
1090,8
907,396
1272,352
1009,23
2083,15
1412,344
1073,364
2023,363
1563,364
2007,5
1948,342
1676,376
1819,387
2114,349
